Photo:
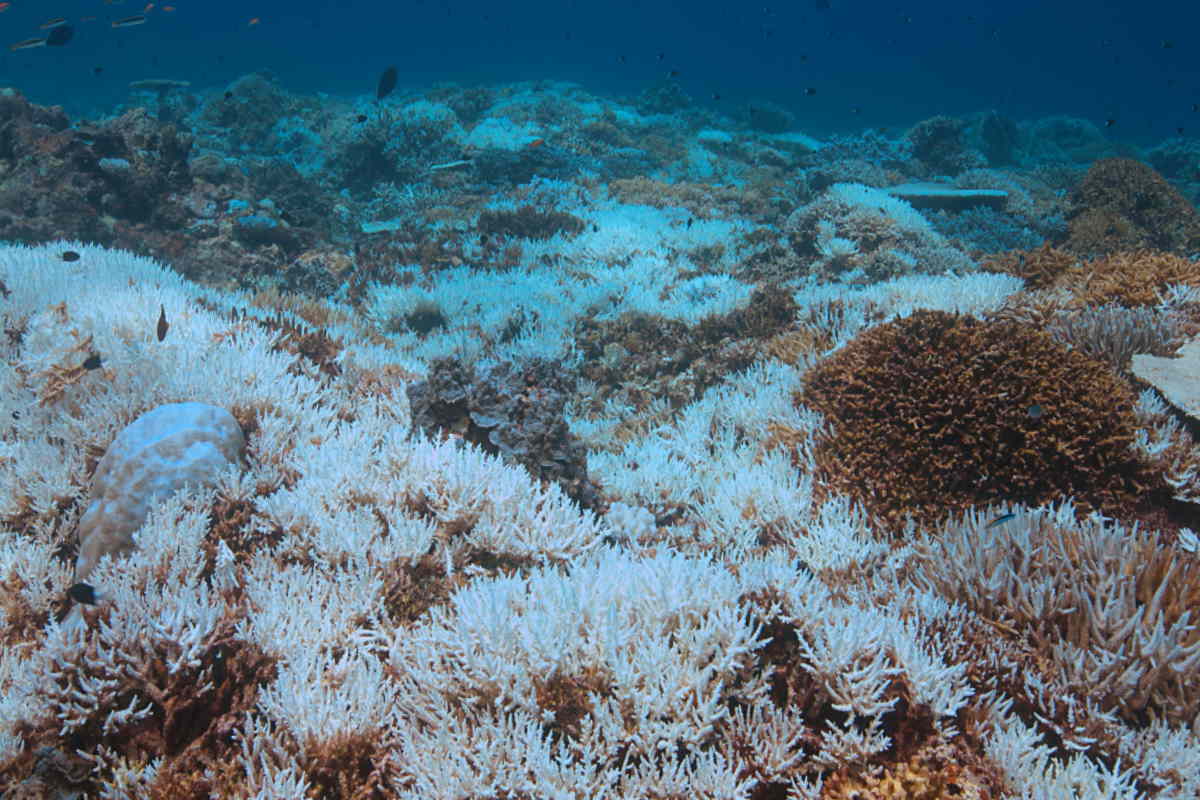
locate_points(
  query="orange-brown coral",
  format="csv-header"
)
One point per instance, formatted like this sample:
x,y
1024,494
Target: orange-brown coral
x,y
935,771
1117,599
650,357
937,413
189,730
1130,278
1039,268
701,199
1123,204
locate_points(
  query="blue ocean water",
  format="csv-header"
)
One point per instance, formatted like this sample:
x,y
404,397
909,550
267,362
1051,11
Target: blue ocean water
x,y
838,64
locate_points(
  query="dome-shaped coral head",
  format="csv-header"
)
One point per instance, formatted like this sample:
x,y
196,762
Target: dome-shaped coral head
x,y
936,413
163,450
1122,204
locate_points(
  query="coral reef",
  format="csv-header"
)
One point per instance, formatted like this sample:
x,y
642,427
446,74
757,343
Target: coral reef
x,y
163,450
940,144
362,610
612,447
528,223
1123,204
866,234
939,413
645,359
102,183
999,138
1177,159
1114,334
1066,139
1090,603
1039,268
1130,278
512,410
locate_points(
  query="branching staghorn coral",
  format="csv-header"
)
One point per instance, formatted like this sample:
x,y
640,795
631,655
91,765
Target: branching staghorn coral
x,y
1107,611
362,612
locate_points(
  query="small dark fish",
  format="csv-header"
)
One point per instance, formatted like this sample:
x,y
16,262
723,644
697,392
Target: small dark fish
x,y
53,23
218,666
387,82
690,221
60,36
97,70
129,22
661,56
229,95
1108,123
716,96
1000,520
1195,106
163,325
1035,411
93,362
69,255
674,73
810,91
1168,44
595,228
82,593
1179,131
361,118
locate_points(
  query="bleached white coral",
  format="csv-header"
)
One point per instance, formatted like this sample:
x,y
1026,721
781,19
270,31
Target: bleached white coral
x,y
317,696
1030,766
832,246
171,446
101,676
629,522
547,664
664,635
862,231
857,195
1164,441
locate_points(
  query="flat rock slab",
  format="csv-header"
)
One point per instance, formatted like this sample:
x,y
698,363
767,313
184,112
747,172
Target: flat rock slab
x,y
1177,378
939,196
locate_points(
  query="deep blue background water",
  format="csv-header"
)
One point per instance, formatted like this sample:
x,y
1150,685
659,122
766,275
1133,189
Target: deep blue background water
x,y
895,63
